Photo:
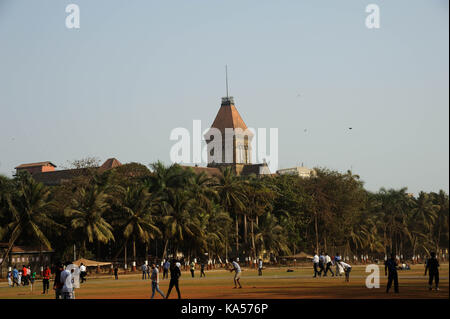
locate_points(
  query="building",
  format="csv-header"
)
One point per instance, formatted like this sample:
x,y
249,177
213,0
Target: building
x,y
301,171
33,168
45,173
229,142
21,255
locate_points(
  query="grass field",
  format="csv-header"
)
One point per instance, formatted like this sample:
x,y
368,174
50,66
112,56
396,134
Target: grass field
x,y
275,283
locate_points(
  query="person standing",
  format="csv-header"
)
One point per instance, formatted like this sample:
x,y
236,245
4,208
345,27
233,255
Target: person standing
x,y
432,266
116,272
391,265
57,285
166,267
316,265
202,269
144,271
29,274
46,280
260,267
66,280
192,265
155,281
33,276
347,269
19,278
149,271
9,276
328,265
83,273
237,276
321,263
175,274
23,276
15,277
337,260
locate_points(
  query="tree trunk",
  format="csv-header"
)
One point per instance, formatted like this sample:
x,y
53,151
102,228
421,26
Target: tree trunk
x,y
146,251
245,228
125,251
253,239
237,236
226,247
133,267
84,248
165,249
317,232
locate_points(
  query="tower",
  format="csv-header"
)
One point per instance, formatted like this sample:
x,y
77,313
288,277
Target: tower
x,y
228,140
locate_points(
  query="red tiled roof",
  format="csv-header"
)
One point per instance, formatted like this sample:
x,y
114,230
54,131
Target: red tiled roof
x,y
24,249
38,164
228,117
109,164
210,171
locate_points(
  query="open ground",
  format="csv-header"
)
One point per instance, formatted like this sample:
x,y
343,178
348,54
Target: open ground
x,y
276,283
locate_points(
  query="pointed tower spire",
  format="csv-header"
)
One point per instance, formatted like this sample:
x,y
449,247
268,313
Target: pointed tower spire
x,y
227,99
226,77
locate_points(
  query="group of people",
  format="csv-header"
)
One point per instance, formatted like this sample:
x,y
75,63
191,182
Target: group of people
x,y
431,267
24,276
323,264
175,273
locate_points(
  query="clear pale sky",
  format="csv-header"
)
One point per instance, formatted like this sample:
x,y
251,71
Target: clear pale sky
x,y
135,70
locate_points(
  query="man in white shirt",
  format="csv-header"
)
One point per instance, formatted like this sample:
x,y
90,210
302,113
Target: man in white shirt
x,y
83,272
316,265
328,265
66,280
237,276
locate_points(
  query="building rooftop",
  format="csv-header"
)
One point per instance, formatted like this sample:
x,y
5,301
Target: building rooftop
x,y
38,164
228,117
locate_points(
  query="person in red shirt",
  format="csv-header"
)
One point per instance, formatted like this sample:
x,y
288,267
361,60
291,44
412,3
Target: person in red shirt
x,y
25,275
46,280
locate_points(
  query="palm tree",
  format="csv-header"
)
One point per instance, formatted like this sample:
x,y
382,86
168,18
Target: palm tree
x,y
231,193
259,199
201,190
271,236
86,212
134,206
216,224
425,211
27,209
440,228
180,221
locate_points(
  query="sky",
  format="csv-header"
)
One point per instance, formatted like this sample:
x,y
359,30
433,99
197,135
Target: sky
x,y
135,70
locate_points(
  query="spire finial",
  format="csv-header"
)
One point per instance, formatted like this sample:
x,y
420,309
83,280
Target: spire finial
x,y
226,77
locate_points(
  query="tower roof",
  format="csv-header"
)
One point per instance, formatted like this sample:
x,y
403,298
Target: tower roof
x,y
110,163
228,116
